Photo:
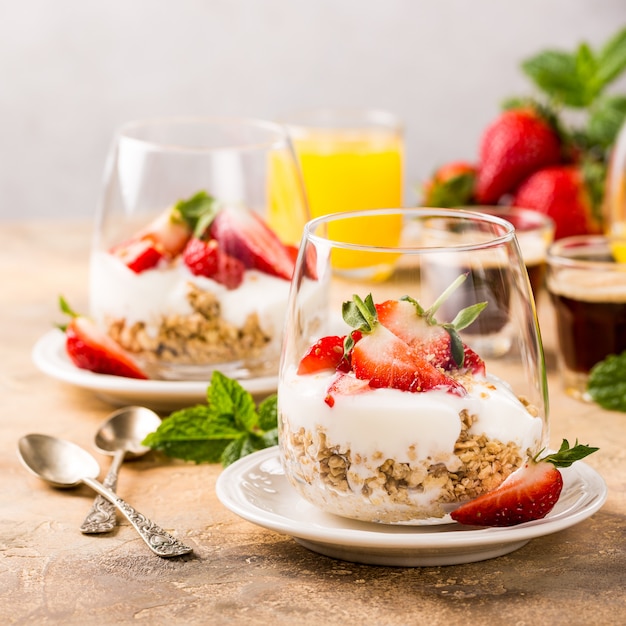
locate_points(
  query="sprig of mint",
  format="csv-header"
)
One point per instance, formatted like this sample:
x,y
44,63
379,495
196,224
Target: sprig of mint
x,y
580,80
227,428
607,383
198,211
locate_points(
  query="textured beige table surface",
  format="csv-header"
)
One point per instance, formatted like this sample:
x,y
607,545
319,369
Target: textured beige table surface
x,y
240,573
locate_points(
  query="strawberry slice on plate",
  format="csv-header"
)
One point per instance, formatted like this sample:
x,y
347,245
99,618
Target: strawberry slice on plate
x,y
91,349
245,236
528,494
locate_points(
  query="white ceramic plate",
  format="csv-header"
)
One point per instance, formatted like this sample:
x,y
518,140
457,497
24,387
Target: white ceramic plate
x,y
50,357
256,489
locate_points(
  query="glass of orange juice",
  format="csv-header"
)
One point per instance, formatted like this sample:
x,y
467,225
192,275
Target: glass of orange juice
x,y
351,159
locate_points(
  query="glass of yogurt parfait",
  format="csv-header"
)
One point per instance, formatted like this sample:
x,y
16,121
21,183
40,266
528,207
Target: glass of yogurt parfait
x,y
195,244
386,413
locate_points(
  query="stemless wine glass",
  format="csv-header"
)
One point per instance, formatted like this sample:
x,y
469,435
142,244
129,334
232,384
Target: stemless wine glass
x,y
380,418
195,244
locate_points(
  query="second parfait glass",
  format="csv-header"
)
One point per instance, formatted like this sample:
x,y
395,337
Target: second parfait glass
x,y
195,244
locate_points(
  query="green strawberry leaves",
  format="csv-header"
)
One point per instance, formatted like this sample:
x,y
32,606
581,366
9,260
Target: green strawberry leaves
x,y
198,211
224,430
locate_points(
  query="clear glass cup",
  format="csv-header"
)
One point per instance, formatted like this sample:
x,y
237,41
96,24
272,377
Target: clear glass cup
x,y
587,288
534,232
397,431
184,275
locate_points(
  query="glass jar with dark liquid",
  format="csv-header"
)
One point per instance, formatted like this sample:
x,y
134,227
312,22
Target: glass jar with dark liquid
x,y
588,291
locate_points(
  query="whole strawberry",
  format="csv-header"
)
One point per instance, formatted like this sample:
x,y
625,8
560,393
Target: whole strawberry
x,y
566,194
528,494
518,143
451,185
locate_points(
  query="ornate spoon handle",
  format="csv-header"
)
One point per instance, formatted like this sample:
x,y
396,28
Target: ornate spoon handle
x,y
101,517
157,539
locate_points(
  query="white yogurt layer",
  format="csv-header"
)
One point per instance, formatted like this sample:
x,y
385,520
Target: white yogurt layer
x,y
119,293
392,421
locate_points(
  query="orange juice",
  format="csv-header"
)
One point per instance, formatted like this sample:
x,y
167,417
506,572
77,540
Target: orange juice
x,y
347,170
287,207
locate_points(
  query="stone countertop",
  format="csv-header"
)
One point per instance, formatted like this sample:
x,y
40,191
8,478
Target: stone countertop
x,y
239,572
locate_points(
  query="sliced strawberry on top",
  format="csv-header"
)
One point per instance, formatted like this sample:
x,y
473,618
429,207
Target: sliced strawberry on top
x,y
325,353
139,255
438,343
167,235
328,353
245,236
344,385
385,360
91,349
204,258
528,494
438,351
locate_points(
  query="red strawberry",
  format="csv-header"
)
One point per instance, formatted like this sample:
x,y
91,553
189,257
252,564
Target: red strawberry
x,y
451,185
344,385
245,236
385,360
91,349
139,255
518,143
167,235
528,494
206,259
326,353
169,230
429,340
565,193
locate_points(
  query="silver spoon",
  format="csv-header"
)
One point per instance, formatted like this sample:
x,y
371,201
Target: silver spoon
x,y
64,464
121,436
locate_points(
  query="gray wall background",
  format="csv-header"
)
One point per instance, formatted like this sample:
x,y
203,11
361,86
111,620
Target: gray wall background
x,y
73,70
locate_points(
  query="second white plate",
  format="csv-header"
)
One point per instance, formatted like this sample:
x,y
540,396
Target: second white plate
x,y
164,395
256,489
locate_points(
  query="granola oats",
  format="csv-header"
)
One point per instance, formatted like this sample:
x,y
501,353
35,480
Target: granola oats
x,y
202,337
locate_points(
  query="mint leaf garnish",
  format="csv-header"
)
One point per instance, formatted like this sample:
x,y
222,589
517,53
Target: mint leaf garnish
x,y
566,456
224,430
198,211
607,383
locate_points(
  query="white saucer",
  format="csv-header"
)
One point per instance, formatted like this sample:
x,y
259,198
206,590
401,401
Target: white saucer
x,y
256,489
50,357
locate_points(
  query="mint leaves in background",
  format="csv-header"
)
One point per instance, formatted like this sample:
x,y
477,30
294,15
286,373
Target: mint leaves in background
x,y
579,80
607,383
229,427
